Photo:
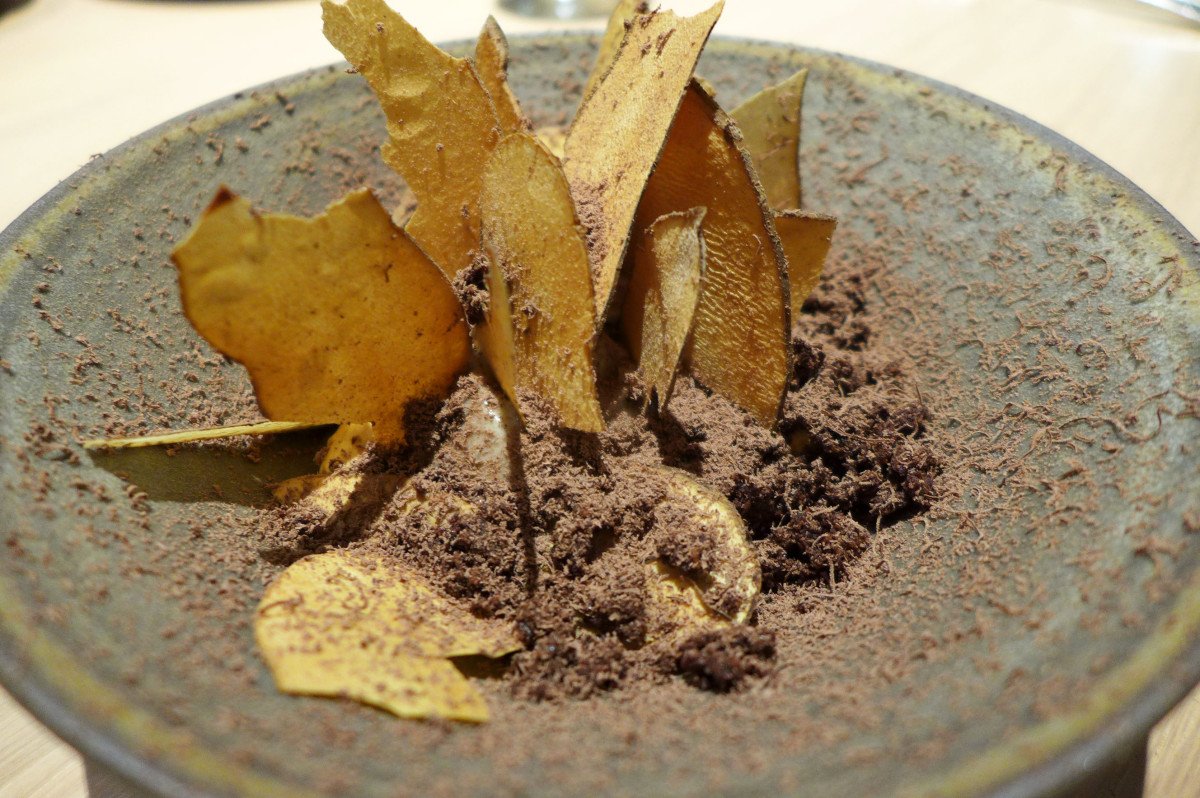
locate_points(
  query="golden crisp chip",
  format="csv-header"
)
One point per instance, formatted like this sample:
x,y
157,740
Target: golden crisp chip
x,y
194,435
539,331
491,63
353,624
610,44
346,443
740,338
675,607
805,237
441,123
770,126
664,289
727,591
619,132
554,137
733,581
338,318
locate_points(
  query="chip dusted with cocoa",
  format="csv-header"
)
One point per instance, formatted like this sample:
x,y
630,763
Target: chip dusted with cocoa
x,y
441,122
770,126
665,279
743,323
610,43
491,63
540,329
616,139
304,305
359,625
806,237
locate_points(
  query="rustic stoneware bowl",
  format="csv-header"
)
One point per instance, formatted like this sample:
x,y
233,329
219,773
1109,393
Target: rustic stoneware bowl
x,y
1017,642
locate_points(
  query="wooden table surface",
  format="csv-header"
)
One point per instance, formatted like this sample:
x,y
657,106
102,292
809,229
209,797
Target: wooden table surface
x,y
78,77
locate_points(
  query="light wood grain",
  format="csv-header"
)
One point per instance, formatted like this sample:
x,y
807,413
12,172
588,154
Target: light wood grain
x,y
78,77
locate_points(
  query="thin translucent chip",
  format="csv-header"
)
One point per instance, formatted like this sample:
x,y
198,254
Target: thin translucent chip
x,y
195,435
664,289
356,625
618,134
743,323
338,319
540,328
675,608
610,44
806,238
725,589
491,63
441,122
770,126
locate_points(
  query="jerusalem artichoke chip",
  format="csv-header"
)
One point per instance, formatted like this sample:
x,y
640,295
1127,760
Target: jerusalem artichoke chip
x,y
353,624
675,607
195,435
554,137
441,122
770,126
714,578
616,138
338,318
540,329
491,64
664,288
740,338
610,44
805,237
333,489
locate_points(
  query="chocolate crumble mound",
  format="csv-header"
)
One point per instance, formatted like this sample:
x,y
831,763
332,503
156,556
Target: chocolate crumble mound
x,y
552,529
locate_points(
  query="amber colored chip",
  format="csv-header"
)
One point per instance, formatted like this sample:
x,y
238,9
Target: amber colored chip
x,y
770,126
675,607
491,63
338,318
733,578
740,338
554,137
728,589
346,443
610,44
805,237
441,122
357,625
618,134
540,330
195,435
664,289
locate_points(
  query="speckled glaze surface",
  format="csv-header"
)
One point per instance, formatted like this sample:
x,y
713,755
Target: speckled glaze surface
x,y
1035,626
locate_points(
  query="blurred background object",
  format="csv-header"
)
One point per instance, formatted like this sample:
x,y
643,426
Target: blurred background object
x,y
1184,8
559,9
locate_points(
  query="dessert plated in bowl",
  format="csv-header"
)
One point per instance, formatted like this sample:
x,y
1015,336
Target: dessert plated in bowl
x,y
1041,612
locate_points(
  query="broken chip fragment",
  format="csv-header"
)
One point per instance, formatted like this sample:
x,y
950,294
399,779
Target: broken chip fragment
x,y
616,138
442,124
359,625
706,578
540,327
740,337
806,237
665,280
491,63
303,305
770,126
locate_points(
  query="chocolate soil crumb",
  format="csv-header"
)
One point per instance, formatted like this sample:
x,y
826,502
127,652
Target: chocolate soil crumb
x,y
471,289
551,529
721,660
